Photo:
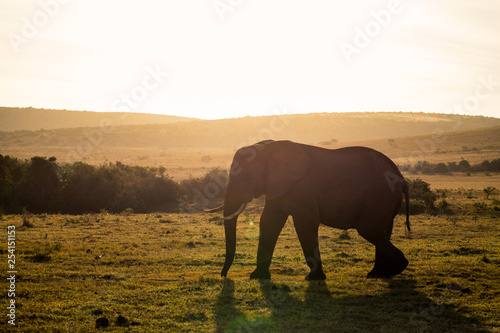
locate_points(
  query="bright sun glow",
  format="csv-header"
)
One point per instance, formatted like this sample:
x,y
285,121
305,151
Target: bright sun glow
x,y
246,58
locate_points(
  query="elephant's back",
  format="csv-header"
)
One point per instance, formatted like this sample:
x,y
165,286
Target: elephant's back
x,y
354,157
356,167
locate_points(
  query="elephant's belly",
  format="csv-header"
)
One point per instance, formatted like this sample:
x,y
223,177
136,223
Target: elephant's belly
x,y
343,215
339,223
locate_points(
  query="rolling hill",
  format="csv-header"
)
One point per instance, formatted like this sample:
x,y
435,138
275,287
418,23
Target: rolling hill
x,y
233,133
12,119
474,145
191,148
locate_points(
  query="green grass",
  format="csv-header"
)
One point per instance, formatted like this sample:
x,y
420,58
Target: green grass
x,y
161,273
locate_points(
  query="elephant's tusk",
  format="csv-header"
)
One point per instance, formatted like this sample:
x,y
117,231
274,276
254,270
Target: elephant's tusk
x,y
214,210
238,212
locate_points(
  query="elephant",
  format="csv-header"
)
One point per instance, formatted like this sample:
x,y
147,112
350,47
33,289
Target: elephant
x,y
352,187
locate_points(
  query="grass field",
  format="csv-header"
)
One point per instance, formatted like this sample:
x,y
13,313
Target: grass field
x,y
160,273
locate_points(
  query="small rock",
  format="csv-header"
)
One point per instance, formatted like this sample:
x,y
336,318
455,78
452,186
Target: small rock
x,y
101,322
121,321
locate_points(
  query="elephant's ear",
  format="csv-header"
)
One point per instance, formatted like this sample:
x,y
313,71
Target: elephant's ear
x,y
287,163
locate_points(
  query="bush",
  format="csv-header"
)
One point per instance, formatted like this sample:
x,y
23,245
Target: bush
x,y
441,168
480,208
422,198
11,173
495,165
464,166
427,170
416,207
39,188
210,187
489,191
453,167
27,222
421,190
444,207
127,212
43,186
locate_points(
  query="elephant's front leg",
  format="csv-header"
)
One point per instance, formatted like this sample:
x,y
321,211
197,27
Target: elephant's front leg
x,y
271,223
307,230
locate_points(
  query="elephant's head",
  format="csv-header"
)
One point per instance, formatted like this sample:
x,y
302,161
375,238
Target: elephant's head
x,y
268,167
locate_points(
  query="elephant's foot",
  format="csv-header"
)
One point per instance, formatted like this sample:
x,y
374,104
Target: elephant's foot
x,y
388,264
260,274
377,274
386,273
316,275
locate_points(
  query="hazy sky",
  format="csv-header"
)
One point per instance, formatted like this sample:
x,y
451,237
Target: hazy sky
x,y
231,58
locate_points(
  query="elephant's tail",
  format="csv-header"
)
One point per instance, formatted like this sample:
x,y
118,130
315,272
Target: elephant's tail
x,y
407,201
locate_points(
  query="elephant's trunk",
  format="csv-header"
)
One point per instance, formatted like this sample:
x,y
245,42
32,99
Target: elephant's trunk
x,y
232,209
230,230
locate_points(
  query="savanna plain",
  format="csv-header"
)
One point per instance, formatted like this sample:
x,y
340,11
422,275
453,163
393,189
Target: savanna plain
x,y
160,272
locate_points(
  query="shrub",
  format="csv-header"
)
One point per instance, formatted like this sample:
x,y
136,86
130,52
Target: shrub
x,y
421,190
12,172
117,187
427,170
443,193
444,207
39,188
441,168
210,187
480,207
464,166
27,222
489,191
453,167
416,207
127,212
495,165
422,198
44,186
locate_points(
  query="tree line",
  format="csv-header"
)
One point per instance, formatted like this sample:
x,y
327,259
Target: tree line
x,y
42,185
425,167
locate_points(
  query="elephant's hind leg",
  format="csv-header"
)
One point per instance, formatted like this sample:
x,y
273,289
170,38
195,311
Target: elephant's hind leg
x,y
389,260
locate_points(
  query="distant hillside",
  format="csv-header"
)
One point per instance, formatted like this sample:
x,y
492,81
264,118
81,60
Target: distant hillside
x,y
233,133
474,145
12,119
192,150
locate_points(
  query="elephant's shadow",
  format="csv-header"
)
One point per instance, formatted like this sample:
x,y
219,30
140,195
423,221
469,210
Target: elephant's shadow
x,y
400,309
